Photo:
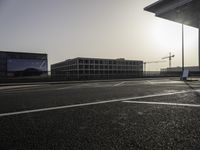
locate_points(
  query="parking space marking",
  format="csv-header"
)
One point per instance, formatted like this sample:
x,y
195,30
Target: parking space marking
x,y
17,87
163,103
25,89
165,82
93,103
78,86
68,87
91,85
118,84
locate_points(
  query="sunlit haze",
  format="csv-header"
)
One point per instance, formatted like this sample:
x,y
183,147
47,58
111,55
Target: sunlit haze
x,y
93,28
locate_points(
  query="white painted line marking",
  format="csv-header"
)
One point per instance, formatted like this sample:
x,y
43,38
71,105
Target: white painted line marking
x,y
163,103
68,87
148,82
64,88
75,86
92,103
118,84
165,82
18,86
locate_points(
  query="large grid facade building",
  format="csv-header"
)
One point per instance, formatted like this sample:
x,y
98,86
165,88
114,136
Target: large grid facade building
x,y
96,68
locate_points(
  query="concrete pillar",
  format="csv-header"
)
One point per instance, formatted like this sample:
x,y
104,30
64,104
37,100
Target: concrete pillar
x,y
183,63
199,47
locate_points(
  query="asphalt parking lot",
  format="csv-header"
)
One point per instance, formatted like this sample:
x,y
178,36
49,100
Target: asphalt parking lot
x,y
145,114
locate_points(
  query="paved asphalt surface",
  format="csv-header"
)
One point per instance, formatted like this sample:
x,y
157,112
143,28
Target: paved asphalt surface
x,y
116,115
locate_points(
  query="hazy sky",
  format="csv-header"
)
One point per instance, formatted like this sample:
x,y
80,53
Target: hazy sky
x,y
93,28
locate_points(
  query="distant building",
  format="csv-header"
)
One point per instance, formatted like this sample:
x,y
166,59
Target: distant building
x,y
179,69
15,64
96,68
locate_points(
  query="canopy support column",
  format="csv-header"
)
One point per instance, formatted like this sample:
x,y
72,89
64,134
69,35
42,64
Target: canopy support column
x,y
199,48
183,66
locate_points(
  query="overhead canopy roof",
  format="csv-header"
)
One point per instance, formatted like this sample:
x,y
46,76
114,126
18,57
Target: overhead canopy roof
x,y
181,11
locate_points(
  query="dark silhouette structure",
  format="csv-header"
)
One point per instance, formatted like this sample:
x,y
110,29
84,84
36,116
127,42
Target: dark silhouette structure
x,y
96,68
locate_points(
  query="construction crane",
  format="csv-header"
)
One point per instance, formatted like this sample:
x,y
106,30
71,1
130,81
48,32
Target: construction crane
x,y
170,59
151,62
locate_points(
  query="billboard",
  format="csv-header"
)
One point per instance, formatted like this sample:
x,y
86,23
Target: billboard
x,y
27,66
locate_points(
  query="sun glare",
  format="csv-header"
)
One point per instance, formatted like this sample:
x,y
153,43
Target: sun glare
x,y
167,35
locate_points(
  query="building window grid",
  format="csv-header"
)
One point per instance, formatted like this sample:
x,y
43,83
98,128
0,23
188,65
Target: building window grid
x,y
102,67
